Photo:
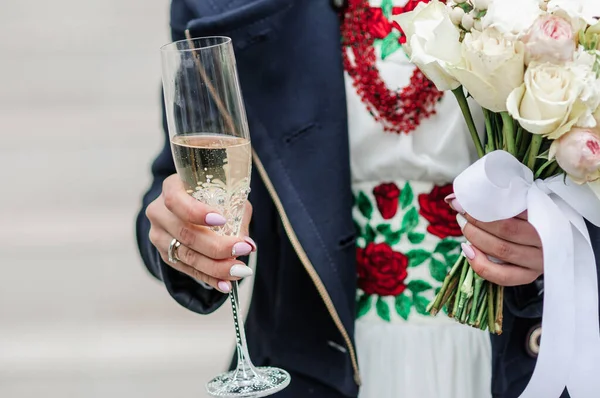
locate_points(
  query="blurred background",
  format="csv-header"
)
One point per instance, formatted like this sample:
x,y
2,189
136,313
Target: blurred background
x,y
80,124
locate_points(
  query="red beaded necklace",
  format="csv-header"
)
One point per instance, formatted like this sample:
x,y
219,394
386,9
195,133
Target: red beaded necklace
x,y
398,111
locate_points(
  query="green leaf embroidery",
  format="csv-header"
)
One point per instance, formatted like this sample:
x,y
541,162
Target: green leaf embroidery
x,y
417,257
437,269
415,237
358,229
410,220
403,304
451,259
364,205
369,234
384,229
363,305
406,196
446,245
420,304
418,286
383,310
393,238
390,45
386,8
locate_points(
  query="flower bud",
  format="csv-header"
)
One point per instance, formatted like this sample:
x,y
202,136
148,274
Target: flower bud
x,y
456,15
578,154
467,21
481,4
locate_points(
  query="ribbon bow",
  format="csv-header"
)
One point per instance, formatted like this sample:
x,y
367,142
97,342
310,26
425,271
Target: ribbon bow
x,y
497,187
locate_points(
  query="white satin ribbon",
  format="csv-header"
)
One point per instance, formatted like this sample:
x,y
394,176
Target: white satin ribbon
x,y
498,187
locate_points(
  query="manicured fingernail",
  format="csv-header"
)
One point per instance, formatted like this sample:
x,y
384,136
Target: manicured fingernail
x,y
251,242
449,198
215,220
461,221
224,287
456,206
241,249
468,251
240,271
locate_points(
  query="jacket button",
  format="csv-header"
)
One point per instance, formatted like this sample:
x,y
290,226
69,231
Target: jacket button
x,y
339,4
532,345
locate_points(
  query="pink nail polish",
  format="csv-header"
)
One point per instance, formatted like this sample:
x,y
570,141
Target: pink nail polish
x,y
241,249
251,242
468,251
449,198
457,207
224,287
215,220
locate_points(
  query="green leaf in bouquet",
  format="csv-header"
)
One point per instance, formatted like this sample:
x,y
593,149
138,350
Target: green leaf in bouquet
x,y
393,238
418,286
386,8
403,304
390,44
410,220
417,257
437,269
415,237
420,304
406,196
384,229
383,309
363,305
446,245
364,205
369,234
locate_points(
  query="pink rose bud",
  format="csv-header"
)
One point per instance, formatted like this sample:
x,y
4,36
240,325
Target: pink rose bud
x,y
578,154
550,39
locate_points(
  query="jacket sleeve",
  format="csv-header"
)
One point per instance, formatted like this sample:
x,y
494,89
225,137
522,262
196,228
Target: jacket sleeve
x,y
527,301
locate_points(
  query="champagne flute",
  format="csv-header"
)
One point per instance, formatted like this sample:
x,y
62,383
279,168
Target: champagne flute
x,y
211,148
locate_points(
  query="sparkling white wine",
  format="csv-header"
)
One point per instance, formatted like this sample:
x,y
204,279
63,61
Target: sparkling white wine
x,y
215,169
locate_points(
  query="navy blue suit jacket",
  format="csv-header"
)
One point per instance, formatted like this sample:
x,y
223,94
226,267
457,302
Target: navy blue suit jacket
x,y
303,309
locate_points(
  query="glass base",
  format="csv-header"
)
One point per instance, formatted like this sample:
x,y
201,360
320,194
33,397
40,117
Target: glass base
x,y
260,382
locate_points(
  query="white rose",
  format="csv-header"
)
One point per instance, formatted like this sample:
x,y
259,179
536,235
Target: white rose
x,y
583,69
548,101
512,17
493,66
432,42
574,11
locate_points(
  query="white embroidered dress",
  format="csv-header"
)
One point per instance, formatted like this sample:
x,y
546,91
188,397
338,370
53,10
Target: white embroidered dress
x,y
407,239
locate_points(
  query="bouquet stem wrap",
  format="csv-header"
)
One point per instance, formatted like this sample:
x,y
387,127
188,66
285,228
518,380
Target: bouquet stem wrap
x,y
498,187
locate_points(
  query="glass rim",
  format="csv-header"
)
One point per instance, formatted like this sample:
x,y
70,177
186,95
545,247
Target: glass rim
x,y
173,45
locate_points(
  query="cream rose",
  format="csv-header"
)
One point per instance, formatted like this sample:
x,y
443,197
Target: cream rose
x,y
578,154
432,42
548,101
492,67
550,39
512,17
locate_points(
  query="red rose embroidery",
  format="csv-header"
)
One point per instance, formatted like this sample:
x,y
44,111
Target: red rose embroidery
x,y
386,196
442,219
381,270
379,26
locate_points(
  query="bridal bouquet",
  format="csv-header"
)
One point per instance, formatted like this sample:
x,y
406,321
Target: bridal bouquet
x,y
534,68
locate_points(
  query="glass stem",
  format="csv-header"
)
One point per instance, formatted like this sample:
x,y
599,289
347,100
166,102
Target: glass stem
x,y
245,369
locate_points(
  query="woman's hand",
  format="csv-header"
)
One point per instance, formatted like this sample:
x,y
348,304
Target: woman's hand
x,y
204,255
514,242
